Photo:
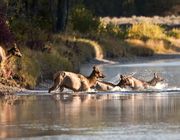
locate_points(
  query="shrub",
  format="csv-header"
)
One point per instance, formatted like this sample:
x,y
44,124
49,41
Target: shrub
x,y
146,30
53,62
30,29
35,66
28,69
174,33
111,29
83,20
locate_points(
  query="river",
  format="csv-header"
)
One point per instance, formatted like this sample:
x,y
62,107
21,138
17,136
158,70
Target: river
x,y
152,114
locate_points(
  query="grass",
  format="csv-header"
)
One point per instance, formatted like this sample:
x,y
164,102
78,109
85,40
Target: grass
x,y
146,30
36,66
67,52
27,69
97,48
175,32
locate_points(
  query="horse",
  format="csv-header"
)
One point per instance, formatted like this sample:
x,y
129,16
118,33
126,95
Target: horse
x,y
74,81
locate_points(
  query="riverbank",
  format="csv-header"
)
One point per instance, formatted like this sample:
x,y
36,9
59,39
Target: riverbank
x,y
9,90
69,50
44,85
67,53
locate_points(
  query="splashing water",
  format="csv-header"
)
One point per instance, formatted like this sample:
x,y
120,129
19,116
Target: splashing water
x,y
159,86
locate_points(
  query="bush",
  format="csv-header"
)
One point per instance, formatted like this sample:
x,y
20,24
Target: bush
x,y
146,30
110,29
26,30
83,20
35,66
174,33
52,62
28,69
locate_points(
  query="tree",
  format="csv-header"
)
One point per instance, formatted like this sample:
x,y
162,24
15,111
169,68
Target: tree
x,y
62,15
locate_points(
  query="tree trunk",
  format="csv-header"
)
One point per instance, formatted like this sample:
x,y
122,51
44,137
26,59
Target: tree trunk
x,y
62,15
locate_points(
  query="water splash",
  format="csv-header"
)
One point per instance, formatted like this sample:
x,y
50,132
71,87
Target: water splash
x,y
159,86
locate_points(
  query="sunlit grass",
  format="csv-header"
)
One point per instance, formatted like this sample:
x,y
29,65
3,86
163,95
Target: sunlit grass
x,y
146,30
175,32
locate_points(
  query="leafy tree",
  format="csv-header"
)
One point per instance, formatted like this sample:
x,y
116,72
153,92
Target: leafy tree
x,y
83,20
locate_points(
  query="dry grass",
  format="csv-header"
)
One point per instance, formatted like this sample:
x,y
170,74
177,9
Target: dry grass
x,y
157,46
97,48
113,47
168,20
36,66
175,33
146,30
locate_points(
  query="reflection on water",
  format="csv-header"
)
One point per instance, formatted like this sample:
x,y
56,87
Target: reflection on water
x,y
85,115
119,115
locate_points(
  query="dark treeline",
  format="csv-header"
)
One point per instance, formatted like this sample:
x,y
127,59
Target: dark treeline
x,y
134,7
53,15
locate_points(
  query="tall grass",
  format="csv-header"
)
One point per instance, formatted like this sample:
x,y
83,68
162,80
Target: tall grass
x,y
174,33
53,62
35,66
146,30
28,69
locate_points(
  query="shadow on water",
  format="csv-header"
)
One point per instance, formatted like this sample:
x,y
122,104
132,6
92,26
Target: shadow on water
x,y
85,115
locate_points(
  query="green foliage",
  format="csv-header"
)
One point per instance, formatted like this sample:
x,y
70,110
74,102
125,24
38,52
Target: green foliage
x,y
53,62
25,29
145,31
30,20
174,33
83,20
28,69
111,29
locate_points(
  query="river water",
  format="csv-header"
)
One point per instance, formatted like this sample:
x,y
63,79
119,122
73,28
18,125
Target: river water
x,y
125,114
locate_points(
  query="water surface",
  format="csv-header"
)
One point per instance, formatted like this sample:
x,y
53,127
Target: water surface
x,y
104,115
